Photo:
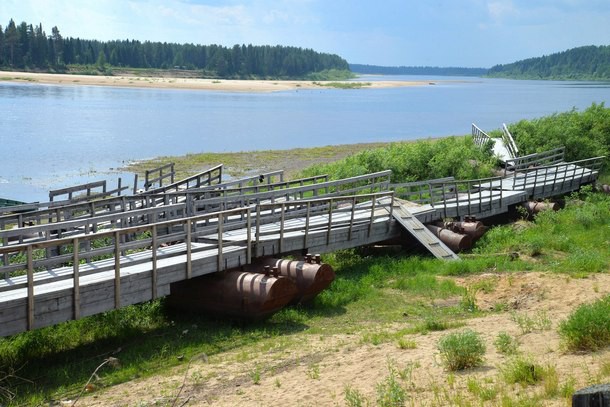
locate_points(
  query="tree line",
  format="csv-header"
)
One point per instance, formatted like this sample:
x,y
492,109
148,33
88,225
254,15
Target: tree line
x,y
28,47
582,63
416,70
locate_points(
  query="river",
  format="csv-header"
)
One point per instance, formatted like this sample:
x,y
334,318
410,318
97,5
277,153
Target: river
x,y
52,136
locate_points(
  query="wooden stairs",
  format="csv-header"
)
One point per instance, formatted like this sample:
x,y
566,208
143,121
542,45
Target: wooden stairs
x,y
421,232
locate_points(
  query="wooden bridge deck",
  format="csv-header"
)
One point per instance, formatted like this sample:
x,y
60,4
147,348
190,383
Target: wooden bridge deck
x,y
92,272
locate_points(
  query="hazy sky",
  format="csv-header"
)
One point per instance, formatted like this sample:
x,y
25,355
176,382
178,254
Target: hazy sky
x,y
469,33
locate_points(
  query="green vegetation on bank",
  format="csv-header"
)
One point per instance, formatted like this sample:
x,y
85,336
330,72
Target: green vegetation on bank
x,y
584,134
380,296
582,63
27,47
419,160
344,85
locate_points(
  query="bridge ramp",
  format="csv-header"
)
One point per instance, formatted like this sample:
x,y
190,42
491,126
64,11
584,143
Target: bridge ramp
x,y
421,233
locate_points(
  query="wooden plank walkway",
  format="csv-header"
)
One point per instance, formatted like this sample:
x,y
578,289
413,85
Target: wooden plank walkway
x,y
131,264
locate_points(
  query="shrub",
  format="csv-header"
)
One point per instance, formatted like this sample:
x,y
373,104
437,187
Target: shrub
x,y
587,328
461,350
522,370
506,344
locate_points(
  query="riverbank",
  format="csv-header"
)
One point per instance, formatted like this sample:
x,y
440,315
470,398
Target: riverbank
x,y
236,164
222,85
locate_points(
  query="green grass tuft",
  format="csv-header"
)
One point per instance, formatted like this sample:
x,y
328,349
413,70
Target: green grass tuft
x,y
588,327
462,350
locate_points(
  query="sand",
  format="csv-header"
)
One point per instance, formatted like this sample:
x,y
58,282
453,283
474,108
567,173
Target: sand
x,y
315,370
223,85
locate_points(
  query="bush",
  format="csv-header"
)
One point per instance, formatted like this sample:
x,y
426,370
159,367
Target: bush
x,y
506,344
584,134
461,350
522,370
587,328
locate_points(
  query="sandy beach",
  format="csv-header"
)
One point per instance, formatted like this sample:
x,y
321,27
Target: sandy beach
x,y
223,85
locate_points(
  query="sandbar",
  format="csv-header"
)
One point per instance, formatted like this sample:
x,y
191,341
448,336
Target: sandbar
x,y
222,85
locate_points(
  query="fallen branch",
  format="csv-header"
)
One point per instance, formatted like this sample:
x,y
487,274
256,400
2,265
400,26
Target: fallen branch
x,y
112,361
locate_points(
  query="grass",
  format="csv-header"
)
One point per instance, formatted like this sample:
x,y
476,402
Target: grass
x,y
343,85
588,327
522,370
462,350
241,163
506,344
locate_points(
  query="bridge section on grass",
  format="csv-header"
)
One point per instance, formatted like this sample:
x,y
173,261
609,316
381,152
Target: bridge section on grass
x,y
58,271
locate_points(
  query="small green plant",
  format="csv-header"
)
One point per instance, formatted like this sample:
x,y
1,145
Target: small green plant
x,y
568,388
406,373
407,343
588,327
551,381
522,370
390,393
484,393
313,372
506,344
461,350
277,383
255,375
540,321
354,398
469,299
604,369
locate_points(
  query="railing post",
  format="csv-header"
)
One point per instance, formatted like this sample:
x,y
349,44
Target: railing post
x,y
351,220
258,229
391,210
307,214
154,263
30,272
373,202
330,221
76,277
248,236
282,218
220,227
189,248
117,270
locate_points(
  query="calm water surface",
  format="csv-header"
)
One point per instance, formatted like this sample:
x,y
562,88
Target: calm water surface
x,y
54,136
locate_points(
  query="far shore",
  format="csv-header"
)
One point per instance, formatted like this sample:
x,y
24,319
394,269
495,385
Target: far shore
x,y
223,85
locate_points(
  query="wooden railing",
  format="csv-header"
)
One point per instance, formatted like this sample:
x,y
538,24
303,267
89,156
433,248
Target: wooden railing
x,y
208,177
156,176
557,179
479,137
509,142
84,192
467,197
374,182
337,212
550,157
95,205
84,226
113,250
419,191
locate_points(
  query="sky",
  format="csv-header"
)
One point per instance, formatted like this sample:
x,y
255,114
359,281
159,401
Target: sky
x,y
462,33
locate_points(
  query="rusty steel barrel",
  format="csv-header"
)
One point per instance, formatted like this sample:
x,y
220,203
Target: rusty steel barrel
x,y
310,275
536,207
455,241
233,293
474,229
